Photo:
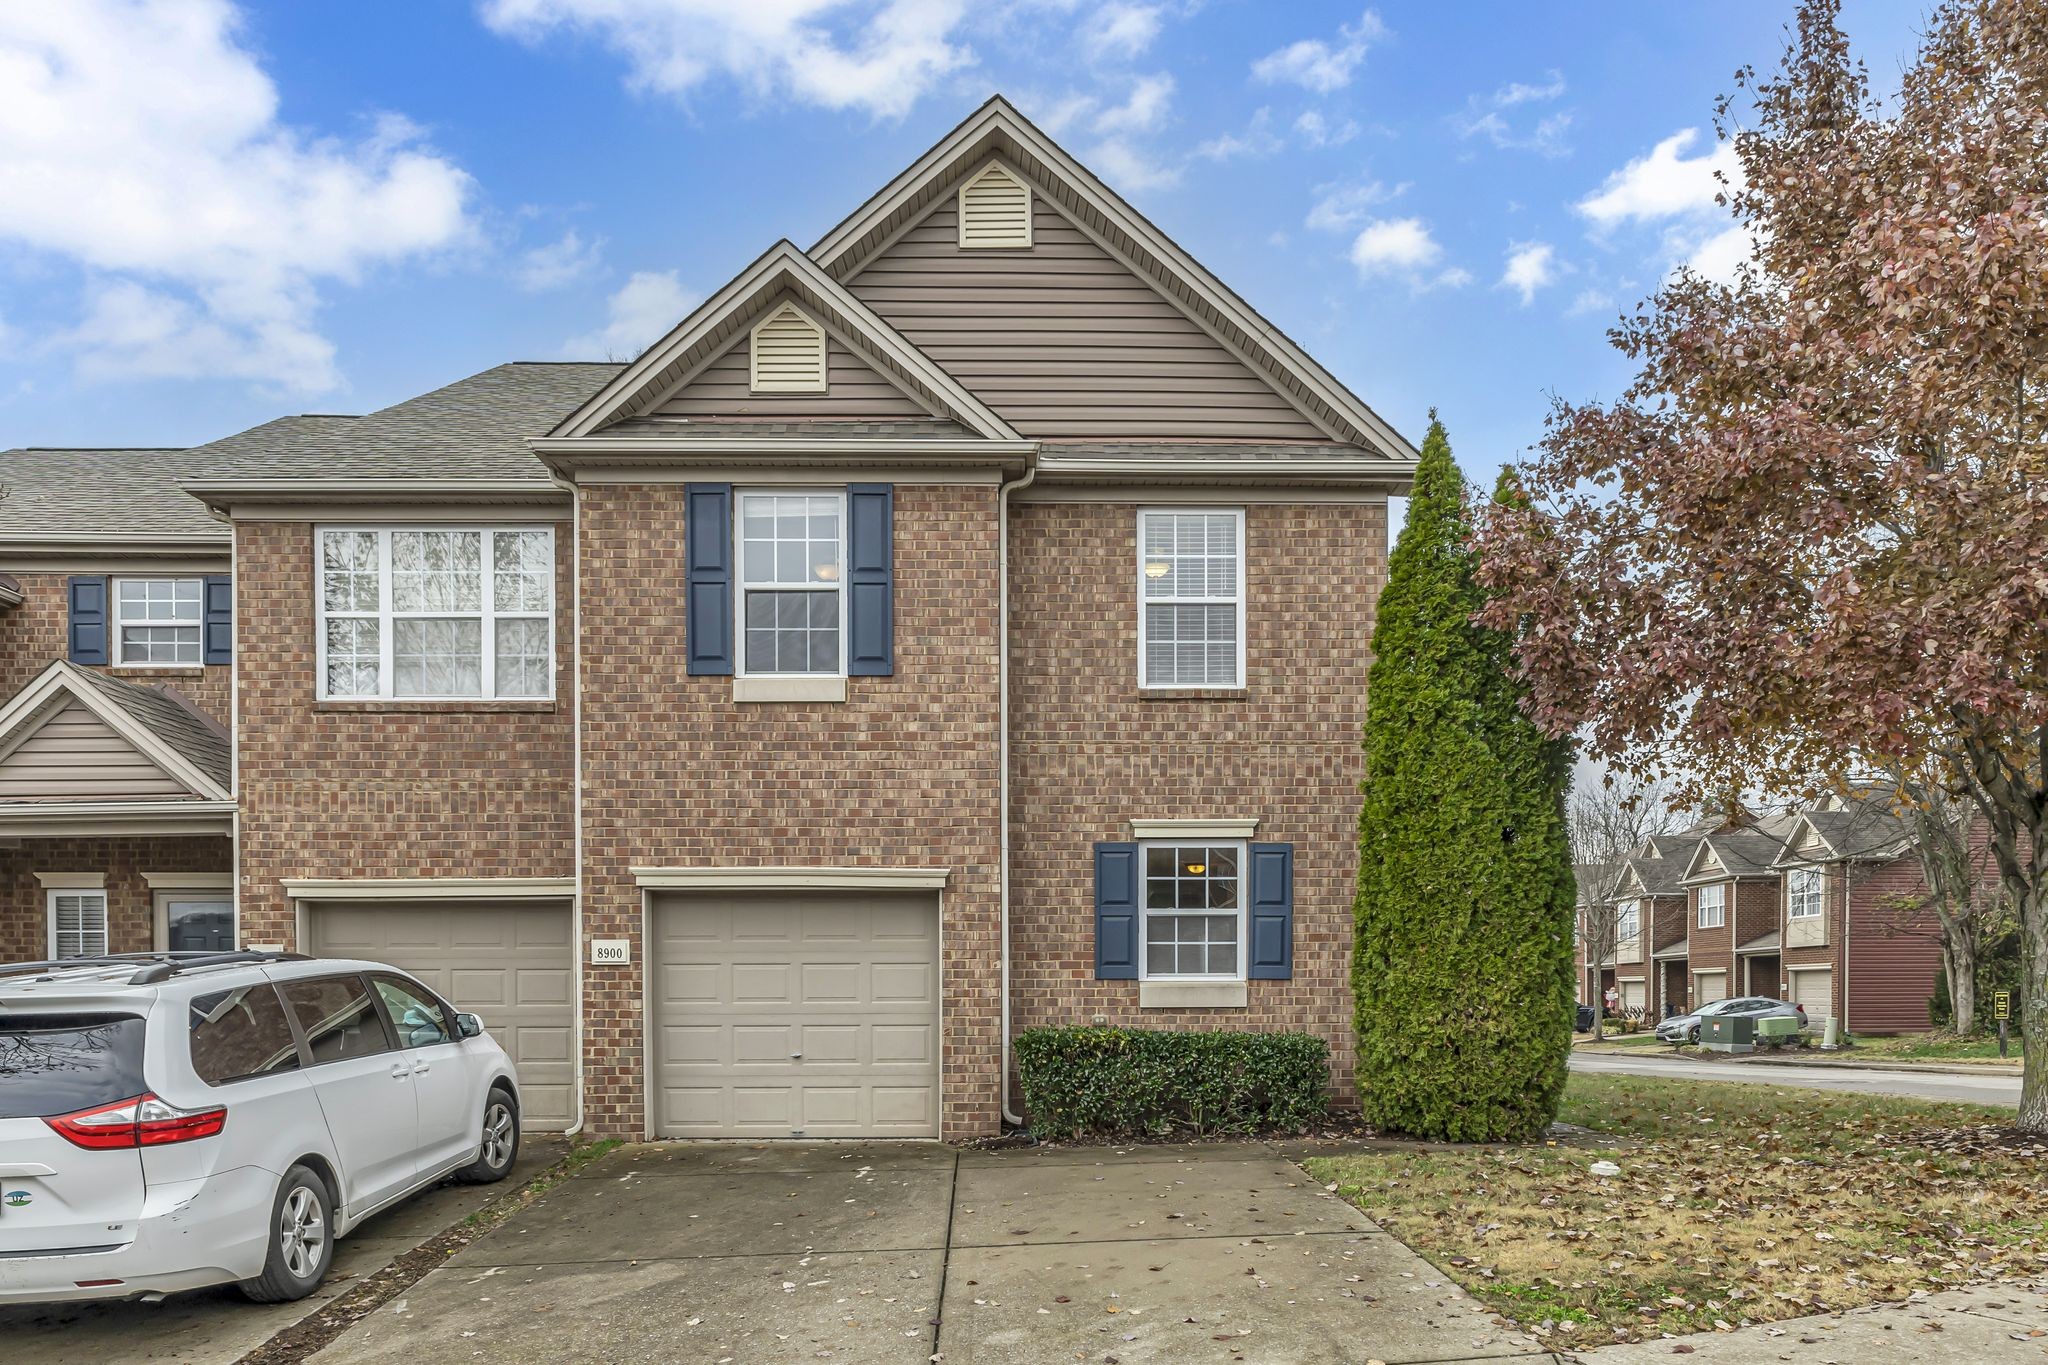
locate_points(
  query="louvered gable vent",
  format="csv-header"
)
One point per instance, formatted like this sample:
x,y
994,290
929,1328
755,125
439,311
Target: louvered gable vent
x,y
995,210
788,353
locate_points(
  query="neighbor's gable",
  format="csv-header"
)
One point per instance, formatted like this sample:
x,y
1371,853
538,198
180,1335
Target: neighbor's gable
x,y
1062,339
725,387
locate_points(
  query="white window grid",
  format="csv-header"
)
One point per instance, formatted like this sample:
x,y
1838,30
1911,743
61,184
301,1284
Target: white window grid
x,y
78,923
1804,898
511,610
794,565
1713,912
1172,542
159,622
1215,879
1628,922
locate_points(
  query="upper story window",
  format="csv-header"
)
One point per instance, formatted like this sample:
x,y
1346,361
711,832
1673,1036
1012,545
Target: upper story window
x,y
1190,598
1194,912
1713,906
792,608
159,621
1803,893
1628,921
417,614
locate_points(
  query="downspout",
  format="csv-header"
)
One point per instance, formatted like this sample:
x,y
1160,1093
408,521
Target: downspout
x,y
1010,1116
575,493
1844,879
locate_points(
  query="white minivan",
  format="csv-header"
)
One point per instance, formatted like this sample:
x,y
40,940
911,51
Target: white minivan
x,y
169,1121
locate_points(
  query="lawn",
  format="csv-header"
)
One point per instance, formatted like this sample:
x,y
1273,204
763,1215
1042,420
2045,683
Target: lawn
x,y
1736,1203
1932,1047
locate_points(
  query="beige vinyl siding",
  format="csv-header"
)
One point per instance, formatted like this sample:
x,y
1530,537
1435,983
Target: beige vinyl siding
x,y
852,389
74,755
1062,341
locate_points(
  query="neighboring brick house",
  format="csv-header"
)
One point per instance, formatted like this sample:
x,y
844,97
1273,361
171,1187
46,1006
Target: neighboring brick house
x,y
1732,911
1652,880
959,626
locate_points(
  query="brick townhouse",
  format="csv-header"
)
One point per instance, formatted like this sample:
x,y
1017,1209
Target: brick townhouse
x,y
957,626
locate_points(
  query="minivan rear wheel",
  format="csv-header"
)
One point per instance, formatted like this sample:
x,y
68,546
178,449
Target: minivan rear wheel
x,y
498,1147
301,1240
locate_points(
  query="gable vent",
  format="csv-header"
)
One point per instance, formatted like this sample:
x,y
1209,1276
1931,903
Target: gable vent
x,y
788,353
995,210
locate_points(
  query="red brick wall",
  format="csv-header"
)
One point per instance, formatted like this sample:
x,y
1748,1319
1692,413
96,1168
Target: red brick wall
x,y
1090,753
1708,950
131,913
33,636
901,774
1667,916
368,789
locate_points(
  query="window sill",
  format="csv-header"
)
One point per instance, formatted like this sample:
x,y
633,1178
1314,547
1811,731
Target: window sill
x,y
157,670
1193,693
1192,995
822,687
529,707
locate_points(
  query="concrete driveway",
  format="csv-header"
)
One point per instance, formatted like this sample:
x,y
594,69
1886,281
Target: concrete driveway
x,y
893,1254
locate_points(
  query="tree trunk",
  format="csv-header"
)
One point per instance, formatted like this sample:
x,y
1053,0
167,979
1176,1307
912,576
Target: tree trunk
x,y
2034,1002
1959,960
2015,808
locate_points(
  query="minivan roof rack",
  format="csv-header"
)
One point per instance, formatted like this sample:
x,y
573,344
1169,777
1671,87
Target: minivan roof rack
x,y
155,967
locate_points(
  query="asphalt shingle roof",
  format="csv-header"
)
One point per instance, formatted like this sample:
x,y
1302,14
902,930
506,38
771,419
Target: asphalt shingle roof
x,y
175,721
94,492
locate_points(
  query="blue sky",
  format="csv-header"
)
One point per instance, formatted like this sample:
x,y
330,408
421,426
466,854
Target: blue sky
x,y
213,213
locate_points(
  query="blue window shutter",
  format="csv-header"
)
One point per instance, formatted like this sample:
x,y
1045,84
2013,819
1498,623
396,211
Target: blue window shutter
x,y
1116,912
707,568
219,628
870,580
1272,918
88,628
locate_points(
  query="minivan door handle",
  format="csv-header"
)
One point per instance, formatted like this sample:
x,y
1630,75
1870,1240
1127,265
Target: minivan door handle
x,y
399,1071
421,1068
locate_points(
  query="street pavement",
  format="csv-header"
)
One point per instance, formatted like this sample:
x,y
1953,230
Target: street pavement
x,y
1997,1088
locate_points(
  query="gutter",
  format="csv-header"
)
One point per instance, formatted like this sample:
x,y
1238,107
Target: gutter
x,y
1010,1116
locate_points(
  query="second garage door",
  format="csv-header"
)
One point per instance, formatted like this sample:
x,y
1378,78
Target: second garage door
x,y
510,964
1814,989
796,1015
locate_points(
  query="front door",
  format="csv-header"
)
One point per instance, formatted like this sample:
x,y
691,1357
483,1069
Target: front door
x,y
199,922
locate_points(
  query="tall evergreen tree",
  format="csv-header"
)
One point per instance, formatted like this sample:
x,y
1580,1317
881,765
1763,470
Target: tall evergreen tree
x,y
1463,969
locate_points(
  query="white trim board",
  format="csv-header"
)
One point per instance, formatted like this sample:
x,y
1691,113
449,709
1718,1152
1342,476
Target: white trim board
x,y
792,878
1166,831
428,888
71,881
188,881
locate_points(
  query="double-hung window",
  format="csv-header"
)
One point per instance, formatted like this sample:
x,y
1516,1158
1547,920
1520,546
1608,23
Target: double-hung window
x,y
792,607
1628,922
158,621
1194,911
1190,598
78,923
1713,906
420,613
1803,893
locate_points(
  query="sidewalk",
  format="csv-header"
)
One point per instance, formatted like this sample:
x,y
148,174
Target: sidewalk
x,y
1845,1058
1960,1326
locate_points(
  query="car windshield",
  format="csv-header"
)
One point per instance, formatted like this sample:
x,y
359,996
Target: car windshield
x,y
61,1063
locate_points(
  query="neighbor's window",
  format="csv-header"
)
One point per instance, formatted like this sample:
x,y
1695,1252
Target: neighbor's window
x,y
425,614
1713,906
78,924
789,580
1628,921
1803,893
1190,598
1194,916
158,620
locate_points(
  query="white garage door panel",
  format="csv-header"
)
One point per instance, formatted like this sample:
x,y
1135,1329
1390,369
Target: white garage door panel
x,y
1708,987
1816,991
510,964
797,1013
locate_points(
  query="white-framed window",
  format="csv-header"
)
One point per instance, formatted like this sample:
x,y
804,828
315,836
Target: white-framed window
x,y
1190,597
1713,906
1193,921
430,613
78,923
1803,896
159,622
1628,921
791,608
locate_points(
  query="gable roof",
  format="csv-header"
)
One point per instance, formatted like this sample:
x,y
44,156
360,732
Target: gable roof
x,y
1740,853
710,331
1869,830
160,724
998,129
107,496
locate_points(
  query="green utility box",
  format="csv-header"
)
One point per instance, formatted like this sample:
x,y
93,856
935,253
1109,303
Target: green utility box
x,y
1730,1033
1776,1032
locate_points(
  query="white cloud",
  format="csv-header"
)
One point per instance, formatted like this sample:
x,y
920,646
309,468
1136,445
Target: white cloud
x,y
1127,167
639,314
1520,92
1720,255
1531,266
1403,248
1589,301
876,56
560,262
1258,139
1145,111
1663,184
1483,118
1120,30
141,142
1317,131
1321,66
1340,208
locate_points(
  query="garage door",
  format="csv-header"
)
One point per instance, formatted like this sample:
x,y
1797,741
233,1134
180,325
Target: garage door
x,y
1634,995
1816,991
1709,987
509,964
796,1015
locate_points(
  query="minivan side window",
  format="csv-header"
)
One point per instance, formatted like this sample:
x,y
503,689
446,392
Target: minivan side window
x,y
337,1016
417,1016
240,1034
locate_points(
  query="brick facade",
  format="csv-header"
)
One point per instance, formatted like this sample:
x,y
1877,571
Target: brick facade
x,y
1089,752
1713,949
131,912
33,636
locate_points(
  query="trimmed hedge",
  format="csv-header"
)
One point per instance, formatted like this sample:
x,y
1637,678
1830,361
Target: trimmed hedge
x,y
1122,1082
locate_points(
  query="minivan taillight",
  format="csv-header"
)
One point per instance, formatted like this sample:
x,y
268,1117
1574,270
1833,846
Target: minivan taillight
x,y
144,1121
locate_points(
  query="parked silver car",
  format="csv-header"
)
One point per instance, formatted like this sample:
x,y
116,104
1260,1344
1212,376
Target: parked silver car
x,y
1685,1028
